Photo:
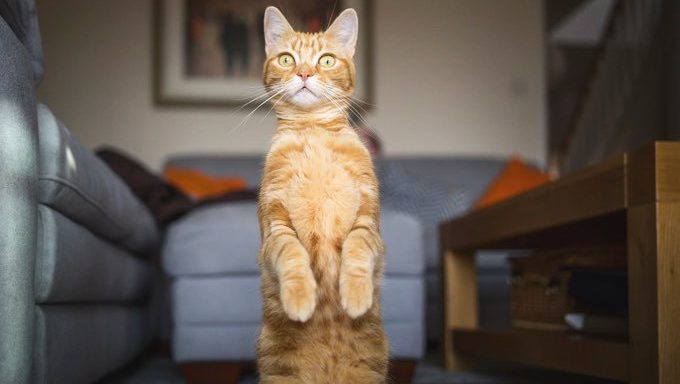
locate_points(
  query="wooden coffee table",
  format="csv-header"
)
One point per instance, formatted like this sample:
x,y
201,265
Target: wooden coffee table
x,y
632,199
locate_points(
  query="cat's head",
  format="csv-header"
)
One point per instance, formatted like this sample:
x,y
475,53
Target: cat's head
x,y
309,70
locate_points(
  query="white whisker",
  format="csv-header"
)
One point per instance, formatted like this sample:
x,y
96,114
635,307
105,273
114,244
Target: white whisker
x,y
245,119
274,106
262,95
348,104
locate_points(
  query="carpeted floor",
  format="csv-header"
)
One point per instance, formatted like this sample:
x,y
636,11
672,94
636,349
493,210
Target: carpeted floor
x,y
161,370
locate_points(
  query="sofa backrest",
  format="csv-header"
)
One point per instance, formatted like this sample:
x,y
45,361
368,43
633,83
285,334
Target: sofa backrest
x,y
471,173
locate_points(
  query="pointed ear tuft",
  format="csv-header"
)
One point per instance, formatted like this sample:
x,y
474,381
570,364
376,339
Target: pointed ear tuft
x,y
345,28
276,27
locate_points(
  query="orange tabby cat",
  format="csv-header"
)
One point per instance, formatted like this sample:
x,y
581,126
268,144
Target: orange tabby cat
x,y
322,255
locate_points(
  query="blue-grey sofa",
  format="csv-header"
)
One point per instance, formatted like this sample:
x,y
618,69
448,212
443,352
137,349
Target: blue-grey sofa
x,y
74,291
210,256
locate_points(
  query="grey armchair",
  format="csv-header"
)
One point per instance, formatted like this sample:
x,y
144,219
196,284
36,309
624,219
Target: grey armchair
x,y
74,292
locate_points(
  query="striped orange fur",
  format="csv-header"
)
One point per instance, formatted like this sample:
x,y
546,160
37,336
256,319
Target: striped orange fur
x,y
322,255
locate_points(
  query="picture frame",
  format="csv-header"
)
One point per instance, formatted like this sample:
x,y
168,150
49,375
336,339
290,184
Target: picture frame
x,y
210,52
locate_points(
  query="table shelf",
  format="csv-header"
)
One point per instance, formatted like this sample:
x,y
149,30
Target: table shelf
x,y
604,358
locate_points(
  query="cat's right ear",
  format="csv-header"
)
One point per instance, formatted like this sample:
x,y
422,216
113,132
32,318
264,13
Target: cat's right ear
x,y
276,27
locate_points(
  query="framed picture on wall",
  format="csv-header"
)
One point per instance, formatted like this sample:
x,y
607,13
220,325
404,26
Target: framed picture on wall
x,y
211,52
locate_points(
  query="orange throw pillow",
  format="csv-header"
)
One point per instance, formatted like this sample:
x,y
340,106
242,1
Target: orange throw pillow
x,y
516,178
199,185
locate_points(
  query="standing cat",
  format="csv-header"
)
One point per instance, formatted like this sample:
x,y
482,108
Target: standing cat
x,y
322,255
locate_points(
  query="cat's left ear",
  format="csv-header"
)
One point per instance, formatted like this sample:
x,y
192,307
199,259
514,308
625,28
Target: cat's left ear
x,y
345,29
276,27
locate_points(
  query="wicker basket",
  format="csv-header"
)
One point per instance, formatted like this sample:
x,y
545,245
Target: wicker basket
x,y
539,288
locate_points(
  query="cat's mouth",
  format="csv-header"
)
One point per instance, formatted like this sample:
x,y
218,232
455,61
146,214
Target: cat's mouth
x,y
304,96
303,89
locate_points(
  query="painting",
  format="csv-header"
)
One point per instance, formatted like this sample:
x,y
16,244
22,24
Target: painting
x,y
211,52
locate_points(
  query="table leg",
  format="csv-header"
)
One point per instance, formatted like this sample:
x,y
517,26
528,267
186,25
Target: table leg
x,y
460,302
654,292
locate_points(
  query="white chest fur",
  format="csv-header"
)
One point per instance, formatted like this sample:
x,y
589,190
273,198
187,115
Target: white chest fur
x,y
316,184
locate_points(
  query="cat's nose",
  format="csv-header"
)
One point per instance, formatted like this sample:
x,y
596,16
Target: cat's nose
x,y
305,74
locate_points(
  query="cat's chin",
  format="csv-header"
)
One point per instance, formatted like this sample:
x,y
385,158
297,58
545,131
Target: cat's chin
x,y
304,98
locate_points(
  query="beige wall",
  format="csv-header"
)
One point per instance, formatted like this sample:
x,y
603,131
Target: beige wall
x,y
451,77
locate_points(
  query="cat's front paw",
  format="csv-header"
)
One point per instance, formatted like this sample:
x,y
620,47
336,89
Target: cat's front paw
x,y
356,294
298,297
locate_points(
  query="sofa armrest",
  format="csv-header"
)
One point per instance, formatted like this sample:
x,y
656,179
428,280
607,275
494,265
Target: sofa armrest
x,y
18,207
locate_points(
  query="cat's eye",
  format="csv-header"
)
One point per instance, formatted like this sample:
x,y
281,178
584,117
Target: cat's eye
x,y
327,61
286,60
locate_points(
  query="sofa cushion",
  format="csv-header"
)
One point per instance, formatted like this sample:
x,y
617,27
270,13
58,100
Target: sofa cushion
x,y
220,238
403,238
76,183
248,167
73,265
237,300
80,344
227,300
225,239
